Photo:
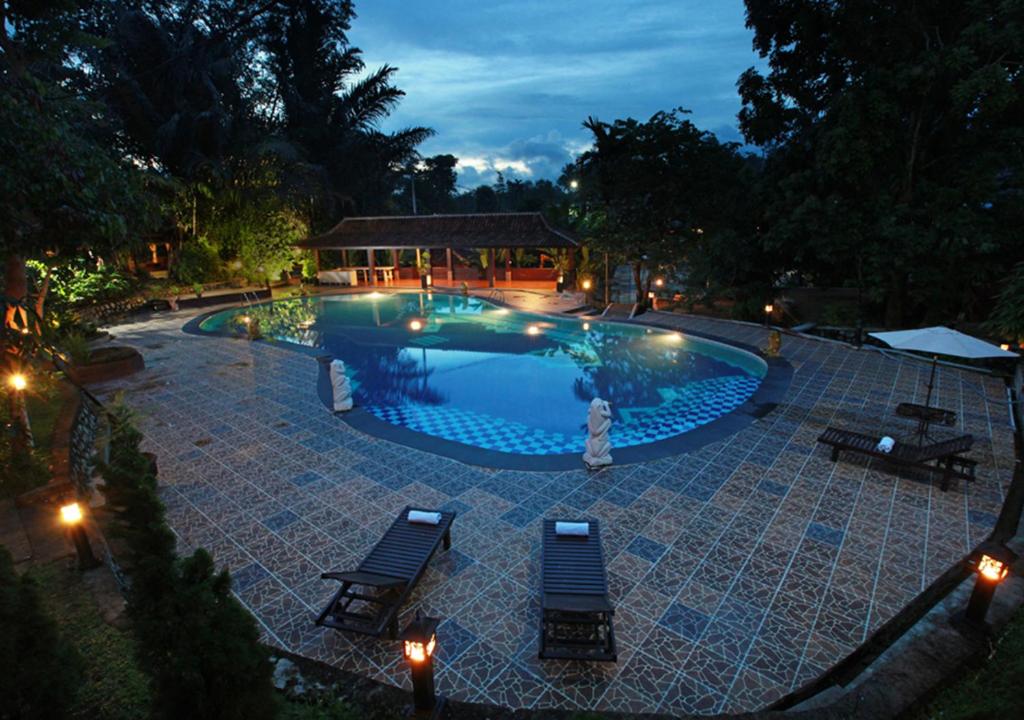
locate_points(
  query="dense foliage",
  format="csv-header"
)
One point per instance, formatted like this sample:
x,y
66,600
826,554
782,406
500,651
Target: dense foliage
x,y
198,645
39,670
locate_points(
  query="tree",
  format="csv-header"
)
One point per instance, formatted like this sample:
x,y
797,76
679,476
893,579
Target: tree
x,y
1007,318
894,141
434,179
198,645
648,191
330,113
39,671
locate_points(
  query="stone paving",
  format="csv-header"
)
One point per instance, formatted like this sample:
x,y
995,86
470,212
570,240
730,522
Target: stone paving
x,y
739,571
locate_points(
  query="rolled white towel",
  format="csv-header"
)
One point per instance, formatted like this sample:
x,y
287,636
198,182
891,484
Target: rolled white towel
x,y
579,529
424,518
886,444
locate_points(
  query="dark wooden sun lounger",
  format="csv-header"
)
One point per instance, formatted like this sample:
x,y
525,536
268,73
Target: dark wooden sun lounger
x,y
386,577
576,616
946,454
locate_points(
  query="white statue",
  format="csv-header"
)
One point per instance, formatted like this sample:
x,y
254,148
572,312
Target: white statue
x,y
340,387
598,448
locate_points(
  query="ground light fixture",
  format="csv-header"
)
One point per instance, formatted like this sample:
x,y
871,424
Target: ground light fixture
x,y
586,326
419,640
71,517
560,283
533,330
1005,346
768,310
587,284
17,381
991,563
426,281
659,282
415,325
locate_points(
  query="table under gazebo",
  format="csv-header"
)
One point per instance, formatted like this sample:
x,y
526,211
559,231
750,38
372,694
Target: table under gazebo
x,y
360,238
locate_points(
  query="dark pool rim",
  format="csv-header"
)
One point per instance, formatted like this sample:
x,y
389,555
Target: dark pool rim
x,y
769,394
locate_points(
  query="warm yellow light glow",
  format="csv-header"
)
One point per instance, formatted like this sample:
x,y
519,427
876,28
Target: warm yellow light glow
x,y
502,311
586,326
659,282
415,325
417,652
1005,346
650,294
374,295
18,381
992,569
25,331
769,309
574,184
533,330
674,337
561,279
71,514
430,279
245,319
587,284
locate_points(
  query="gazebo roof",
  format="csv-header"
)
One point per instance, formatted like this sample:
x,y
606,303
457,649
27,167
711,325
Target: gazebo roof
x,y
480,230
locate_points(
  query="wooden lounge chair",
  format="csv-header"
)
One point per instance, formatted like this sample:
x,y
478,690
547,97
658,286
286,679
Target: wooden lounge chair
x,y
576,616
946,453
386,577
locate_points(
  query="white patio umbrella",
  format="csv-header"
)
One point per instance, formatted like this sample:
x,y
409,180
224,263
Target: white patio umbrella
x,y
941,340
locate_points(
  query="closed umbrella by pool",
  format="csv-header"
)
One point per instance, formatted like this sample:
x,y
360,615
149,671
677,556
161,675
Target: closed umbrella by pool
x,y
941,340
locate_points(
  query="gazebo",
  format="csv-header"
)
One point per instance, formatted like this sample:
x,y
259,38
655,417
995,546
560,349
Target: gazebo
x,y
451,233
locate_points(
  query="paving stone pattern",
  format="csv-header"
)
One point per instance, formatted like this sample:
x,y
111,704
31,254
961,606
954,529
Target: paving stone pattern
x,y
739,571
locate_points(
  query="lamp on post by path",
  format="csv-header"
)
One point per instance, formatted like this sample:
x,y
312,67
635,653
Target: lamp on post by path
x,y
71,516
419,640
992,564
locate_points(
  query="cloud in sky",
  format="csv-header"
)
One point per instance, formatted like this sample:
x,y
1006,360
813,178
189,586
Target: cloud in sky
x,y
507,84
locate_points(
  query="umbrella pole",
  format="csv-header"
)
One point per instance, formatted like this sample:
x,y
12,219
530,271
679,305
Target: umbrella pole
x,y
931,382
922,424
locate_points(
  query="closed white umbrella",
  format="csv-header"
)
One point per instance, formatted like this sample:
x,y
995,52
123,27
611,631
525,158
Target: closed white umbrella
x,y
941,340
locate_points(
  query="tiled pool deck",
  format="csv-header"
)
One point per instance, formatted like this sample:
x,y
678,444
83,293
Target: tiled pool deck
x,y
740,571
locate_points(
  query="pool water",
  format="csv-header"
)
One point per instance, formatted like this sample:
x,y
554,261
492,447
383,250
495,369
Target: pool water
x,y
463,369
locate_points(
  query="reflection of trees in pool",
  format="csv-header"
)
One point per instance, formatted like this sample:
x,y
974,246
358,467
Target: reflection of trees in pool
x,y
628,370
390,376
290,320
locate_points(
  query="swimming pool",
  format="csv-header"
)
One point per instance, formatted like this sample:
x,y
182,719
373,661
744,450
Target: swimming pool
x,y
467,371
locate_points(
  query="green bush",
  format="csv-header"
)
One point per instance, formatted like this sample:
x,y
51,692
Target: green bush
x,y
39,672
198,263
79,283
76,346
195,641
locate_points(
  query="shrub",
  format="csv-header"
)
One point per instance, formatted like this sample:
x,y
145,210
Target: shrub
x,y
76,346
39,671
198,263
195,641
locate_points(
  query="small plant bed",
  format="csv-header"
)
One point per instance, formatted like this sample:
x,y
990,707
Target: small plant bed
x,y
990,691
106,363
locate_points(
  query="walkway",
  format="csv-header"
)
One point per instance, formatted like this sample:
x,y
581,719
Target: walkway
x,y
739,571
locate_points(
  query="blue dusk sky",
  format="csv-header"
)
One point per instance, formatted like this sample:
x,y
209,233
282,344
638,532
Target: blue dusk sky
x,y
507,84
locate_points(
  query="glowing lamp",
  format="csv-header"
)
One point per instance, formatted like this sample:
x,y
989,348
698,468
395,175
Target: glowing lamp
x,y
71,516
992,563
374,295
650,294
586,326
533,330
574,184
415,325
560,283
1005,346
245,319
18,382
769,309
561,278
587,284
419,640
659,282
71,513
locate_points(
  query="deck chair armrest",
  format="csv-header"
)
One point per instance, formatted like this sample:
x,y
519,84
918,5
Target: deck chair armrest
x,y
364,578
576,603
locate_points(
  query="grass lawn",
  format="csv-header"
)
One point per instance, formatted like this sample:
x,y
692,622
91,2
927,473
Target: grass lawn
x,y
114,687
995,690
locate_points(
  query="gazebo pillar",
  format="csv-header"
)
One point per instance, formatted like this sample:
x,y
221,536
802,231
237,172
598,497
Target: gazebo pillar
x,y
490,267
316,258
448,263
394,260
373,266
344,258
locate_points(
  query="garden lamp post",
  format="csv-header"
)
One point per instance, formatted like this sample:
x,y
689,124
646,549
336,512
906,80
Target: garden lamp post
x,y
992,565
20,426
560,283
419,640
71,516
768,310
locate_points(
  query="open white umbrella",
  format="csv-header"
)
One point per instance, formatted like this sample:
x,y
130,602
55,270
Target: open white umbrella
x,y
941,341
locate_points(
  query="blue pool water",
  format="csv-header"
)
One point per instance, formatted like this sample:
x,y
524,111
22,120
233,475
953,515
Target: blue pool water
x,y
463,369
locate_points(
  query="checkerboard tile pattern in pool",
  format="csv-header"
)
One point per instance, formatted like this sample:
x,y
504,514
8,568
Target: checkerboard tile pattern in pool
x,y
739,571
697,404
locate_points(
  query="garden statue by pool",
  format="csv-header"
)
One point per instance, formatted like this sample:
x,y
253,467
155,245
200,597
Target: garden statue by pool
x,y
340,387
598,448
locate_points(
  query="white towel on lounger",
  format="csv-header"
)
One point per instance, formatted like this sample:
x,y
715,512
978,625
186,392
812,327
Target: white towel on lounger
x,y
579,529
886,444
424,518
